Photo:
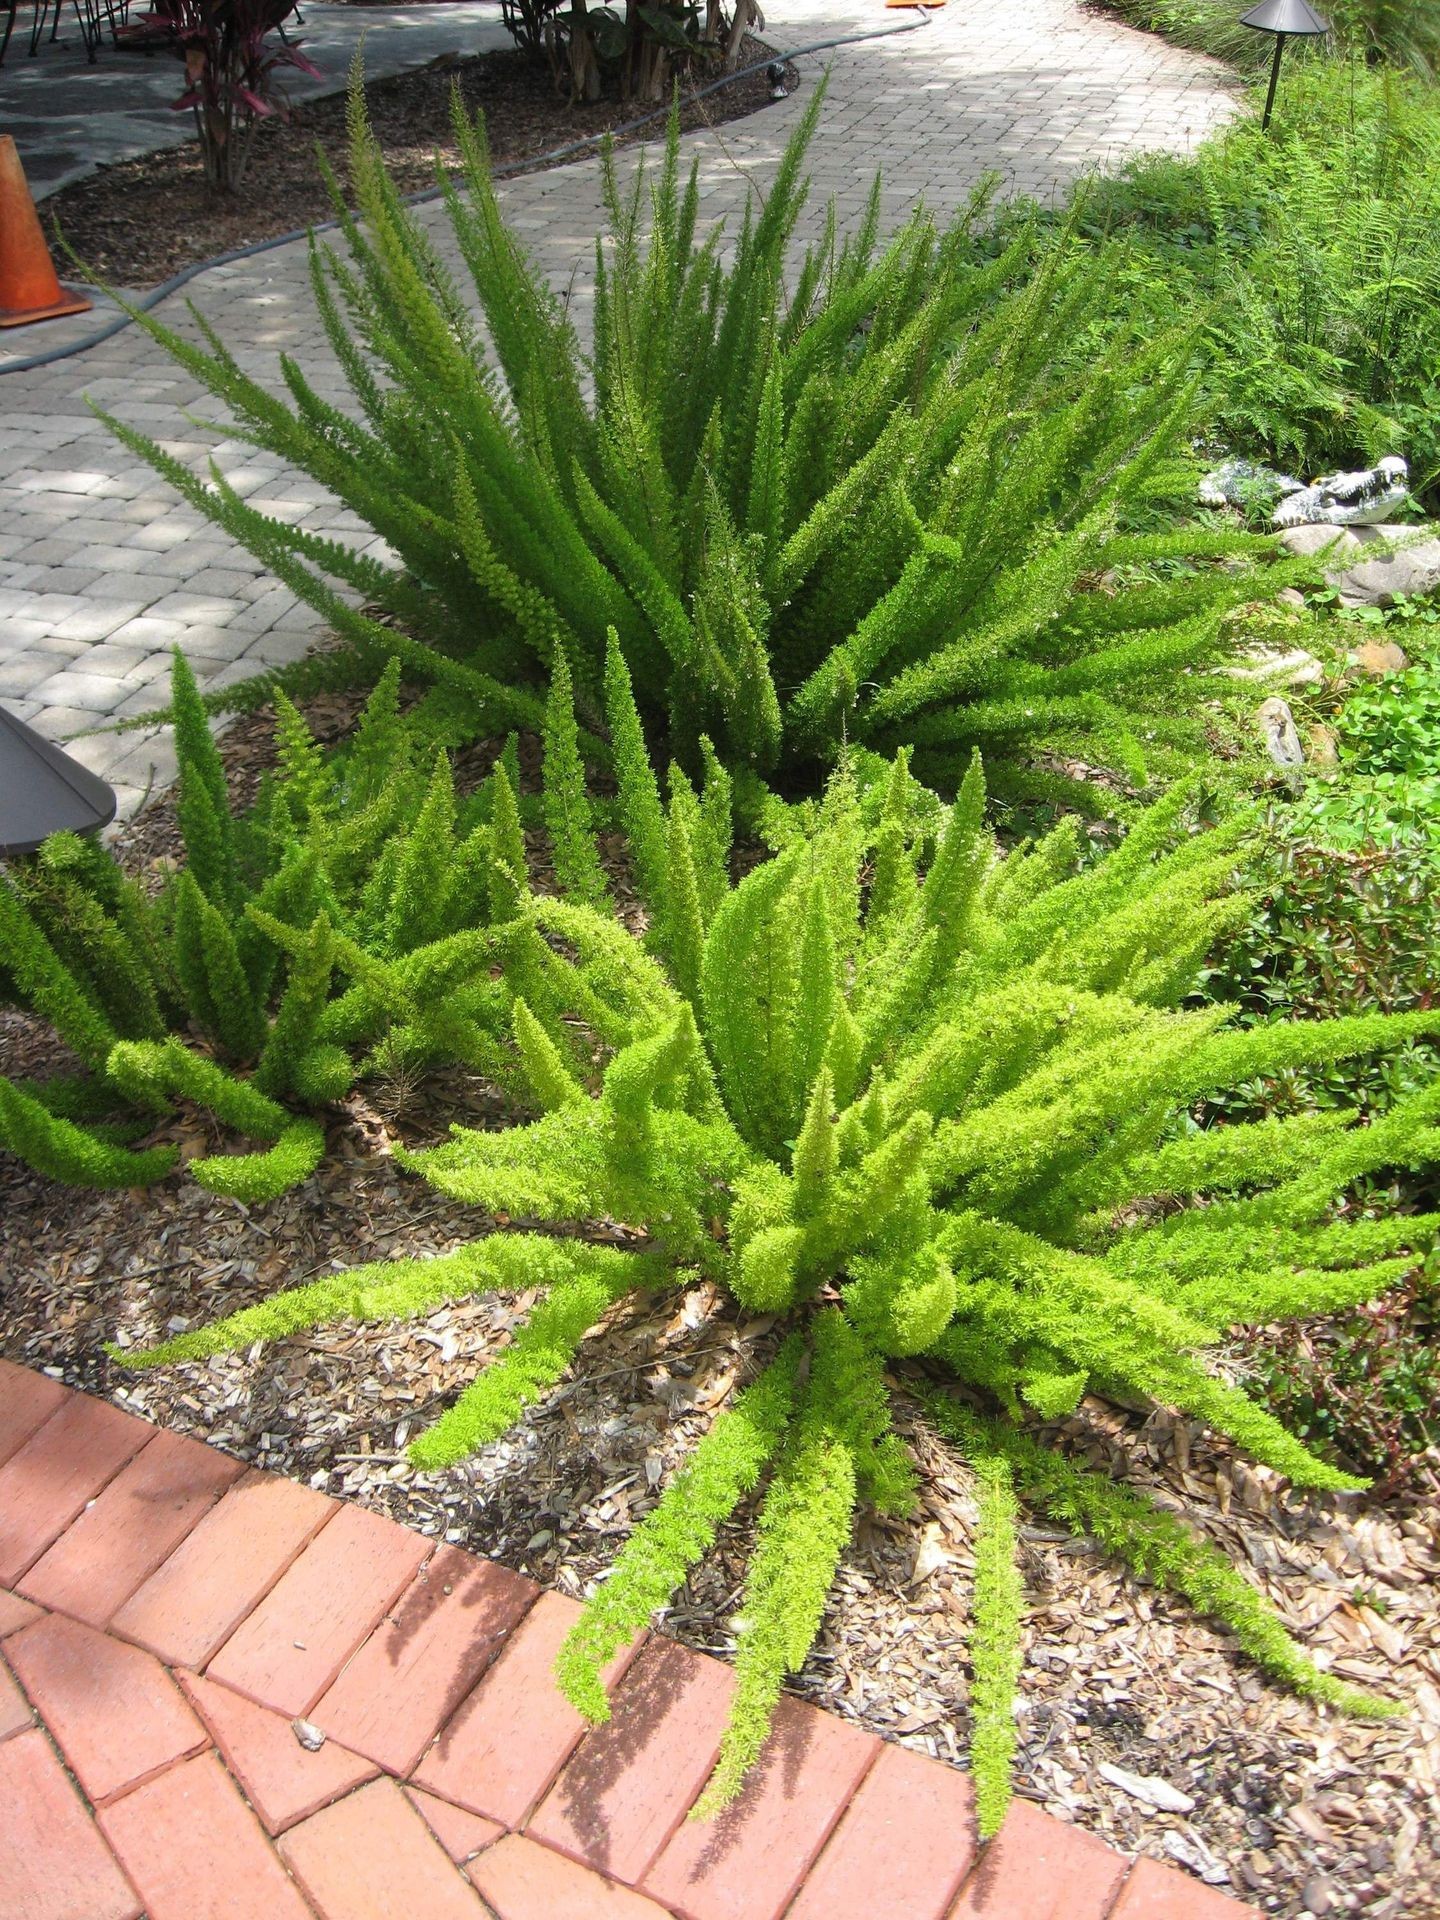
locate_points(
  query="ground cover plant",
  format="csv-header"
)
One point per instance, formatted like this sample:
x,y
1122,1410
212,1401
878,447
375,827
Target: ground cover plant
x,y
891,506
1345,878
336,929
1309,253
912,1103
1402,33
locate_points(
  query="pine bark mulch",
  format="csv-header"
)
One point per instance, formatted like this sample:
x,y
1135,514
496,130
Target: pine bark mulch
x,y
139,222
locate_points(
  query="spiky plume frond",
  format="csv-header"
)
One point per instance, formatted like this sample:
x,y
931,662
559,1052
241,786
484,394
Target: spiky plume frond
x,y
947,1170
887,527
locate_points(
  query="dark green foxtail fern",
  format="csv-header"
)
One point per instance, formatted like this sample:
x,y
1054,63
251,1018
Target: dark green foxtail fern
x,y
907,1114
337,929
888,505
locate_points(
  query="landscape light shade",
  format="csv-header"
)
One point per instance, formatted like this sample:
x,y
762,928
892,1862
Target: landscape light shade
x,y
1286,19
44,791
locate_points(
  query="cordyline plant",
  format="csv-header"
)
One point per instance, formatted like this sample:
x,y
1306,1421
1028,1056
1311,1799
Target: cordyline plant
x,y
233,50
881,497
334,931
908,1117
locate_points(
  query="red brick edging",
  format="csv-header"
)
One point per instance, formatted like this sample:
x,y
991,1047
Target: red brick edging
x,y
166,1614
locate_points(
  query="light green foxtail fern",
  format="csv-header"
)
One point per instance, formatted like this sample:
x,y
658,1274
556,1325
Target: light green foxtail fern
x,y
911,1109
339,928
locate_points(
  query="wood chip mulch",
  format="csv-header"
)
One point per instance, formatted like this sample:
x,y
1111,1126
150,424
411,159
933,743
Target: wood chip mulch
x,y
1138,1721
138,222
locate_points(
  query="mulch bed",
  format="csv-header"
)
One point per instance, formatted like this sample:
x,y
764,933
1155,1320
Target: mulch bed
x,y
140,221
1138,1720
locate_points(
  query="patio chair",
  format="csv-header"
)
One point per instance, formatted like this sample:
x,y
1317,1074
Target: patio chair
x,y
92,16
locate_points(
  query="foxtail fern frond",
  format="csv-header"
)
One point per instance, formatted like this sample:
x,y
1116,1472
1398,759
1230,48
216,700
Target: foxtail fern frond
x,y
891,510
339,924
904,1099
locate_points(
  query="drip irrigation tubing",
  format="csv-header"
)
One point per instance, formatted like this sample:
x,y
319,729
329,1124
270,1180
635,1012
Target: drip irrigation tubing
x,y
781,57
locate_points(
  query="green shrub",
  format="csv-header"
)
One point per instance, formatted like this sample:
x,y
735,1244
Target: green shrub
x,y
1389,735
889,505
1403,33
225,992
907,1117
1345,882
1310,251
1363,1388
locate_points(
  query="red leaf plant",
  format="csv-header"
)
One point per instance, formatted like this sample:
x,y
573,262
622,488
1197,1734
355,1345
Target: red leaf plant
x,y
233,51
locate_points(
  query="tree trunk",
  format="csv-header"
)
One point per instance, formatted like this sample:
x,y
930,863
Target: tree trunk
x,y
739,27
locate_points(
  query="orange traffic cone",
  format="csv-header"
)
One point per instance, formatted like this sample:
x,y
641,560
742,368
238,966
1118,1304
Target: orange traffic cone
x,y
29,289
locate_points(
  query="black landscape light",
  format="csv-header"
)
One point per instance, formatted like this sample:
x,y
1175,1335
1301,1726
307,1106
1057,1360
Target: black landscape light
x,y
44,791
1286,19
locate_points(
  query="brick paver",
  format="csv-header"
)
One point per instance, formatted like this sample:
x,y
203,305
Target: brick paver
x,y
202,1803
115,1713
53,1863
426,1655
15,1714
195,1850
502,1750
27,1400
1038,1869
1153,1892
905,1839
749,1864
194,1602
523,1881
372,1857
461,1834
634,1779
95,551
15,1613
136,1523
302,1633
284,1780
49,1478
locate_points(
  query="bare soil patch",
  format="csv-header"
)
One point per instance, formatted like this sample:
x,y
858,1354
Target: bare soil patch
x,y
137,223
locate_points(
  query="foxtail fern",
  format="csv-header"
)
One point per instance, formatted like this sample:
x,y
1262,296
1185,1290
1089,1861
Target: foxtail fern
x,y
908,1112
338,928
889,506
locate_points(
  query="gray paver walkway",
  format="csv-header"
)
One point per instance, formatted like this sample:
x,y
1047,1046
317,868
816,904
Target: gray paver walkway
x,y
102,572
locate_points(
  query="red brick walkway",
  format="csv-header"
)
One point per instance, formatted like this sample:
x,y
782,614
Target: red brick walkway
x,y
166,1615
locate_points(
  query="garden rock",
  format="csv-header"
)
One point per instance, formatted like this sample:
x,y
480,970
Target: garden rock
x,y
1379,657
1322,748
1407,562
1282,742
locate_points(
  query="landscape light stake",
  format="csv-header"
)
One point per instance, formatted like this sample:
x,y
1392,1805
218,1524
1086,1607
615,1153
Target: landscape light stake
x,y
1286,19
